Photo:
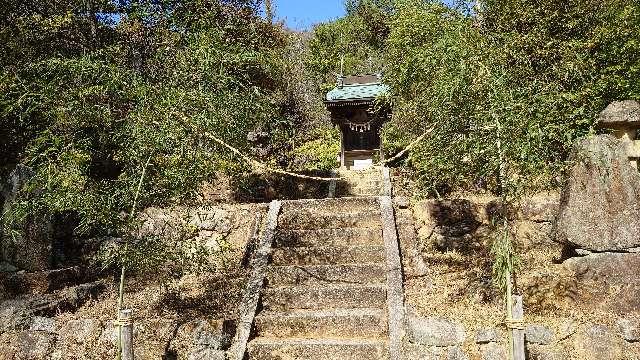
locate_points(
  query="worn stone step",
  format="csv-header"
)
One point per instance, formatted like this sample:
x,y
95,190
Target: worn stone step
x,y
318,274
306,220
317,349
325,297
330,206
335,323
363,182
368,191
365,172
324,237
328,255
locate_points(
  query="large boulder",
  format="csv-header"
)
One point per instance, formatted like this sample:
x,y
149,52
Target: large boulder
x,y
34,345
600,204
608,281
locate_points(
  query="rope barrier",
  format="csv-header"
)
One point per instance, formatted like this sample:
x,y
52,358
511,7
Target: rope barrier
x,y
267,168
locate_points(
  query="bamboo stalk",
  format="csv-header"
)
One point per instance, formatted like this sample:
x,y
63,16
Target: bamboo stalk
x,y
121,336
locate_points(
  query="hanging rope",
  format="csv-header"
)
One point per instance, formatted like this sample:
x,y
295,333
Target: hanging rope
x,y
267,168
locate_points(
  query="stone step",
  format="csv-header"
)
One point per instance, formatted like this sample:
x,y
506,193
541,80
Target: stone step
x,y
307,220
365,172
317,349
328,255
330,205
360,185
318,274
336,323
325,297
369,191
361,182
325,237
360,174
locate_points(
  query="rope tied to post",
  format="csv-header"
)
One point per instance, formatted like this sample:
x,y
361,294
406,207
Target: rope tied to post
x,y
123,322
514,324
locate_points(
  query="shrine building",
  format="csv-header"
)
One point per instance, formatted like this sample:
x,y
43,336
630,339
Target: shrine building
x,y
353,109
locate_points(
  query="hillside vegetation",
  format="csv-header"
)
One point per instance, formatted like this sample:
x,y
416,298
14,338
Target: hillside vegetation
x,y
501,82
94,93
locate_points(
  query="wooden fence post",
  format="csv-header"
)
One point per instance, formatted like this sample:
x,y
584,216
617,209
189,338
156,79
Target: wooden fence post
x,y
517,314
125,331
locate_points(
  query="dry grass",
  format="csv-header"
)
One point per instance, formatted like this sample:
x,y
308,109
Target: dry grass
x,y
459,287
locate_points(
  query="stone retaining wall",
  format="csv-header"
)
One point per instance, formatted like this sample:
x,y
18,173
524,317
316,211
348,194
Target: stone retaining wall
x,y
576,306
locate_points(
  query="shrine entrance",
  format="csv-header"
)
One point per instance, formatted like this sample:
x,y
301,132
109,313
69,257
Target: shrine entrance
x,y
352,107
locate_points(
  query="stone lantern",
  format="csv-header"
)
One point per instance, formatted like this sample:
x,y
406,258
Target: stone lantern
x,y
623,117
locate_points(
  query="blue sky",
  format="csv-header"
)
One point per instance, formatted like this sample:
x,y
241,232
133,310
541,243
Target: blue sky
x,y
302,14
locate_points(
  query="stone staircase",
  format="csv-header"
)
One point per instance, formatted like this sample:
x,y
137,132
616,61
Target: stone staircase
x,y
360,182
325,294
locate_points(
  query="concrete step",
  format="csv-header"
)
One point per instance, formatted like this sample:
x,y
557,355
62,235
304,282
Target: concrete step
x,y
307,220
317,349
328,255
337,323
325,297
319,274
325,237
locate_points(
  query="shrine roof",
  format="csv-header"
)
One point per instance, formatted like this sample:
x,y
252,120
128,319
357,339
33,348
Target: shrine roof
x,y
355,91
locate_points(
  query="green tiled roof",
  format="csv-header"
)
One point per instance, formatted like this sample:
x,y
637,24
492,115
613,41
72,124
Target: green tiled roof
x,y
357,92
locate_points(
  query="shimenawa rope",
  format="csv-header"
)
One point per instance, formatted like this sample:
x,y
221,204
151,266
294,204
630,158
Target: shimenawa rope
x,y
267,168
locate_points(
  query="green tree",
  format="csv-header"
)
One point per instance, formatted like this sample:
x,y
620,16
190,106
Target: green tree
x,y
86,100
355,42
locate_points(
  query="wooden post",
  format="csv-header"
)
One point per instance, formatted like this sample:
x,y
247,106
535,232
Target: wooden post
x,y
125,332
517,313
342,159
